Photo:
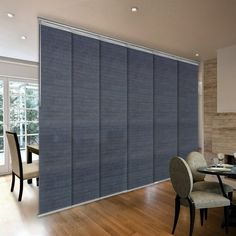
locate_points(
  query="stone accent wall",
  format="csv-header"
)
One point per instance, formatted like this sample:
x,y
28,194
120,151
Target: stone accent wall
x,y
224,133
219,128
210,101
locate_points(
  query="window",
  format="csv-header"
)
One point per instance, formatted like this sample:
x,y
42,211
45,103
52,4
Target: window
x,y
24,113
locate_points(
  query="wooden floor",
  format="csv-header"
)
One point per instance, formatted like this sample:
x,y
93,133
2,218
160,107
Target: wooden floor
x,y
148,211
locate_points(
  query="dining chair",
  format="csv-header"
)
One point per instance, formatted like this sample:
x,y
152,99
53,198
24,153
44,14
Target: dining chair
x,y
182,182
23,171
196,160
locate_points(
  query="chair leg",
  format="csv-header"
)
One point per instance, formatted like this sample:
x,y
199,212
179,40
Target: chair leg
x,y
192,217
37,179
202,213
205,210
177,210
226,216
21,189
12,182
230,196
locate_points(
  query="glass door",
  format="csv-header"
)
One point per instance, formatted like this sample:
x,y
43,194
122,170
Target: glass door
x,y
24,113
18,113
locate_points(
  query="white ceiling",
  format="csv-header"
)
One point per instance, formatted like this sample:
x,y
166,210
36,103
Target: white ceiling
x,y
180,27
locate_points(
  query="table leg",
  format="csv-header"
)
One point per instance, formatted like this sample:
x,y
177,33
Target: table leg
x,y
29,160
222,187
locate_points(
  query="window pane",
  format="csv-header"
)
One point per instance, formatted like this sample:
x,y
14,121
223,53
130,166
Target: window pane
x,y
31,90
32,102
17,115
32,115
21,140
32,128
1,129
1,145
1,94
17,101
32,139
17,88
1,99
19,128
1,115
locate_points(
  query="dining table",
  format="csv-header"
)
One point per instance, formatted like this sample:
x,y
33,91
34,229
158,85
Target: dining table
x,y
226,170
31,148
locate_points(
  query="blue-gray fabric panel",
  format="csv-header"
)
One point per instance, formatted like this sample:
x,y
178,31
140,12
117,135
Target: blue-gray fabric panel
x,y
188,108
140,118
113,118
55,120
165,115
85,119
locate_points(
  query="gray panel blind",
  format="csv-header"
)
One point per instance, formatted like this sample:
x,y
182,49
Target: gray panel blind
x,y
187,108
85,119
55,120
140,118
113,118
110,117
165,115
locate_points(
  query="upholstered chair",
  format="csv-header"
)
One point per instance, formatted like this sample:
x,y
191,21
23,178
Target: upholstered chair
x,y
196,160
182,181
23,171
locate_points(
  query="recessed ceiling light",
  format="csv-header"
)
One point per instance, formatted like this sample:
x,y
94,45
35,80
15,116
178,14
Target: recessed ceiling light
x,y
197,54
23,37
10,15
134,9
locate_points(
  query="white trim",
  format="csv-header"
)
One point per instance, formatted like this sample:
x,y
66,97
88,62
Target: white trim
x,y
74,30
18,78
163,180
101,198
18,61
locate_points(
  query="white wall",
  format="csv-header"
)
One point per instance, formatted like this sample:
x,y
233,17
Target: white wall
x,y
226,79
18,69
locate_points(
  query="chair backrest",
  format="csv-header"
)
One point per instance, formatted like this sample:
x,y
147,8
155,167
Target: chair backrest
x,y
196,160
181,177
15,153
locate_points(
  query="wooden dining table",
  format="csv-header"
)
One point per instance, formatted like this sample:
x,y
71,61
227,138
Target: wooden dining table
x,y
32,148
228,171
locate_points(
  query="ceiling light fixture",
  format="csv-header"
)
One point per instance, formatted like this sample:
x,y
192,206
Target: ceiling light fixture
x,y
197,54
134,9
10,15
23,37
